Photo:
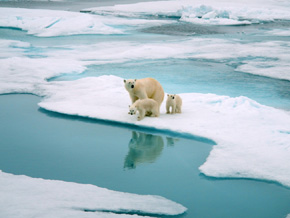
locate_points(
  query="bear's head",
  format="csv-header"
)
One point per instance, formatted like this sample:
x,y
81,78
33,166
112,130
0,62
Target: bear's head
x,y
130,83
132,109
170,96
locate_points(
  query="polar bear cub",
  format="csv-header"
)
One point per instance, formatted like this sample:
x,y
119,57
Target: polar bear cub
x,y
144,106
144,88
174,102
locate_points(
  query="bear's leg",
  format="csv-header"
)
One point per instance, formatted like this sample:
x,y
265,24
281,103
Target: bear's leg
x,y
167,109
155,112
173,109
148,113
178,109
141,114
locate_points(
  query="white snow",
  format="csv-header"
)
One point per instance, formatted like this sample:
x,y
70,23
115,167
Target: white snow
x,y
280,32
253,141
23,196
24,75
204,11
11,48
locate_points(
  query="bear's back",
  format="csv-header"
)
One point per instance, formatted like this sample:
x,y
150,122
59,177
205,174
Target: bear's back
x,y
151,86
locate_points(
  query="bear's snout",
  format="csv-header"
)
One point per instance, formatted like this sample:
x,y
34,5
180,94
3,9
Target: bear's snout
x,y
132,86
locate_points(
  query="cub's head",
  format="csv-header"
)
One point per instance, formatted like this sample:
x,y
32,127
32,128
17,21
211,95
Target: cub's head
x,y
170,97
129,83
132,109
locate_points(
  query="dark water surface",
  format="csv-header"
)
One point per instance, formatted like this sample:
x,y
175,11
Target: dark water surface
x,y
48,145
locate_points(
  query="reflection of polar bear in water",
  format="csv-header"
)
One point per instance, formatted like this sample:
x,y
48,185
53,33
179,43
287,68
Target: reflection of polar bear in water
x,y
144,148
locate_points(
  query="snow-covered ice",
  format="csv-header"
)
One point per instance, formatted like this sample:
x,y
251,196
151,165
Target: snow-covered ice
x,y
47,23
269,59
252,139
280,32
23,196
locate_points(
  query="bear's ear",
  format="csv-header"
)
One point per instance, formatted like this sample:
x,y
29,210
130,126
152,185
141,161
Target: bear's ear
x,y
124,81
129,106
135,80
168,95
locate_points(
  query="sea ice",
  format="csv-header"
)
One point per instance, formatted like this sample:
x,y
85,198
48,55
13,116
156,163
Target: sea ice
x,y
23,196
263,58
24,75
12,48
280,32
269,59
252,139
207,12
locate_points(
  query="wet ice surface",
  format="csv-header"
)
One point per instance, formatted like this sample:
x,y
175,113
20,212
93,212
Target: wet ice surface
x,y
177,46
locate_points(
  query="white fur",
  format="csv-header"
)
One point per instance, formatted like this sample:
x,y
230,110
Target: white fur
x,y
145,107
144,88
174,102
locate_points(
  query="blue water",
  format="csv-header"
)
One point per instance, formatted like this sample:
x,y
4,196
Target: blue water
x,y
48,145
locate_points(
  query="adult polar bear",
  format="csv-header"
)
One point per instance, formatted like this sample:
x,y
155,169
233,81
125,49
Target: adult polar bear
x,y
144,88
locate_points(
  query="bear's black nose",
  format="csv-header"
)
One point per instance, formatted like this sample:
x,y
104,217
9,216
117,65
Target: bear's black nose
x,y
132,86
172,97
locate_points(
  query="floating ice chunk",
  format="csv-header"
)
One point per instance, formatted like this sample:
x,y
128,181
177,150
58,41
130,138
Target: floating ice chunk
x,y
207,15
272,69
23,196
253,140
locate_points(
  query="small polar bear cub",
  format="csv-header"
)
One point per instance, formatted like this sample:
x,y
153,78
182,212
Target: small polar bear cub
x,y
144,106
174,102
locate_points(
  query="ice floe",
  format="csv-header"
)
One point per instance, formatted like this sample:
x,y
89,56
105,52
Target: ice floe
x,y
252,139
23,196
204,12
24,75
47,23
53,23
